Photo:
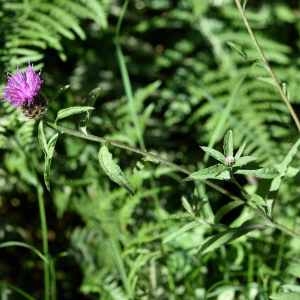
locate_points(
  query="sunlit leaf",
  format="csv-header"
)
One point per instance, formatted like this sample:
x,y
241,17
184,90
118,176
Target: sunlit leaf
x,y
214,153
70,111
228,144
213,172
112,169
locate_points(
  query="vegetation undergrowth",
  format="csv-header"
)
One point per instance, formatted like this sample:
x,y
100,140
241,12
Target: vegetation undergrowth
x,y
154,151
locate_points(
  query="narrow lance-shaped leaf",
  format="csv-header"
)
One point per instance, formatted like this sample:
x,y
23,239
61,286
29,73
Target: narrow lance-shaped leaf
x,y
244,160
111,169
283,166
42,138
265,173
212,172
187,206
222,238
214,153
175,234
74,110
228,144
240,151
227,208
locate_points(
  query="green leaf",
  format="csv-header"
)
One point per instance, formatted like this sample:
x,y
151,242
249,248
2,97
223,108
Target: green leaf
x,y
112,170
98,9
294,269
144,93
48,159
175,234
214,153
292,172
257,201
244,160
228,144
240,151
283,167
187,206
264,173
213,172
74,110
289,157
227,208
286,296
239,49
229,235
42,138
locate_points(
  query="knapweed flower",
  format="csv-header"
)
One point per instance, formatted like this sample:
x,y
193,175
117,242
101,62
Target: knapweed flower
x,y
22,90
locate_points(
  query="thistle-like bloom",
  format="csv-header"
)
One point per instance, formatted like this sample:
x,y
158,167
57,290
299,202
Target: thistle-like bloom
x,y
23,87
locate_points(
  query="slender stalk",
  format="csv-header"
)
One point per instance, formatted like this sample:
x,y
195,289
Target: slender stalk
x,y
263,57
42,212
126,80
148,155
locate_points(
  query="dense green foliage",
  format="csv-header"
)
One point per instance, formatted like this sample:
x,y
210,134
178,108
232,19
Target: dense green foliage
x,y
141,211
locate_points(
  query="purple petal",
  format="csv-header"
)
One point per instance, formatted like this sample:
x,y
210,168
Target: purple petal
x,y
22,87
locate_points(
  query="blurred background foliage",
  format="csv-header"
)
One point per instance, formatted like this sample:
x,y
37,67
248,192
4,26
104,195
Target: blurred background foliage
x,y
195,74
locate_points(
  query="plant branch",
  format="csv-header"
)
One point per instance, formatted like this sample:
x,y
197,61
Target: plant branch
x,y
147,155
158,159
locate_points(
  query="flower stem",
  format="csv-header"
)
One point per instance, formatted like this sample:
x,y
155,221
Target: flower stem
x,y
44,228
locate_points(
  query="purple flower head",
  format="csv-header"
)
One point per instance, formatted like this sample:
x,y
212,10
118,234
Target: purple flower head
x,y
22,87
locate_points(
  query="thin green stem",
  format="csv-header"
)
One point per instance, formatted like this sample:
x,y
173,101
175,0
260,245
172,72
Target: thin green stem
x,y
148,155
24,245
126,80
269,69
120,20
44,228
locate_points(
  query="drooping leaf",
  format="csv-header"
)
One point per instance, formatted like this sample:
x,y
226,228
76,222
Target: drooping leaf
x,y
70,111
112,169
